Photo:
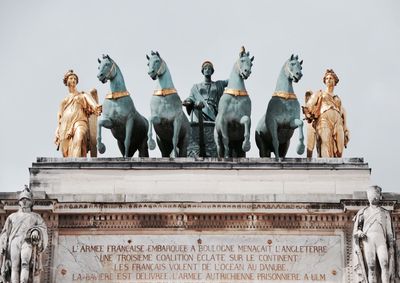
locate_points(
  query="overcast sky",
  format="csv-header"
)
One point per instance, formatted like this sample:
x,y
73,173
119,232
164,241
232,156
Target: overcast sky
x,y
41,40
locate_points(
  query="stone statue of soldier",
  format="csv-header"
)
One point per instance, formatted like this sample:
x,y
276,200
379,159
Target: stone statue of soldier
x,y
374,242
204,98
22,241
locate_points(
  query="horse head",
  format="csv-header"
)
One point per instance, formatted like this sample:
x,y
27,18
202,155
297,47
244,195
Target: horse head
x,y
107,69
244,64
293,68
156,65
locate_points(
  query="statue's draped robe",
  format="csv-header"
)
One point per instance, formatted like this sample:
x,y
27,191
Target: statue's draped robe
x,y
17,230
329,122
383,219
74,112
209,94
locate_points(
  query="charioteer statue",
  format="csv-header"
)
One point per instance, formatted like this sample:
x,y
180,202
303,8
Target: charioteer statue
x,y
202,106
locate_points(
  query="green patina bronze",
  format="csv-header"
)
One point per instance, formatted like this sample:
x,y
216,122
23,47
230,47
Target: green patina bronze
x,y
232,124
120,115
202,106
205,95
170,123
276,127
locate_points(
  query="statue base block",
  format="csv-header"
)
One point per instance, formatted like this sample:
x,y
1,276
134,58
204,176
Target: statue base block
x,y
210,220
189,179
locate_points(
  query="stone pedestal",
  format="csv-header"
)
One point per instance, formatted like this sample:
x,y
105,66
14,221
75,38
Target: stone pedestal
x,y
187,220
187,179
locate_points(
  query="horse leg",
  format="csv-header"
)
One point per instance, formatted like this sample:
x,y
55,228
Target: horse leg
x,y
217,142
106,123
232,152
297,123
177,124
273,129
142,137
183,143
245,120
183,149
121,146
150,142
283,148
164,147
225,138
241,153
260,144
143,149
238,151
128,135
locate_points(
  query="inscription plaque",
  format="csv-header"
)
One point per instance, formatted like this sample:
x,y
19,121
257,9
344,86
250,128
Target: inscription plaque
x,y
260,257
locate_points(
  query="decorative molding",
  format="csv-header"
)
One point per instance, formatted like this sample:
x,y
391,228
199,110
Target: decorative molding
x,y
205,221
71,208
198,163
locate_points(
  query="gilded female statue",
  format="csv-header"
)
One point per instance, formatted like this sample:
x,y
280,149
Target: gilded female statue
x,y
73,131
324,109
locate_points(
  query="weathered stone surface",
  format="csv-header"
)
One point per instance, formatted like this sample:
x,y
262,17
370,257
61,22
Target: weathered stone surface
x,y
184,177
70,220
109,201
374,242
24,238
200,257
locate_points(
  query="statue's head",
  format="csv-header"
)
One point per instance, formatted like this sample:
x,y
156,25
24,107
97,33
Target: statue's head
x,y
330,78
244,63
207,68
25,198
374,194
70,78
293,68
156,65
107,69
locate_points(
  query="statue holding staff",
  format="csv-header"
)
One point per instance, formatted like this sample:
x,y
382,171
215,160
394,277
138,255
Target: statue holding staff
x,y
202,106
